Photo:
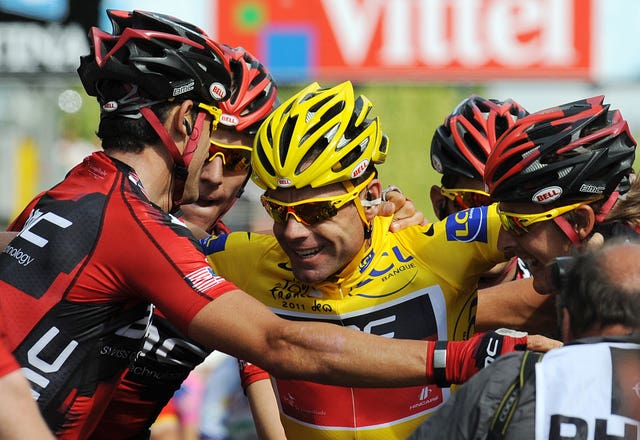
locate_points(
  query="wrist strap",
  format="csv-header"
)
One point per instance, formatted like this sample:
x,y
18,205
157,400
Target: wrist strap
x,y
440,364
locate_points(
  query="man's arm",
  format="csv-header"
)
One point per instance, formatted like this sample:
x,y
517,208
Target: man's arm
x,y
6,237
264,409
241,326
19,415
518,306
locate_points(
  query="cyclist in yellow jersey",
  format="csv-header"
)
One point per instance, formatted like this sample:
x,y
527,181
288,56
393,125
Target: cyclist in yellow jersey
x,y
315,156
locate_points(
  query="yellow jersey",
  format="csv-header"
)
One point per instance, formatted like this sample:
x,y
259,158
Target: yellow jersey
x,y
419,283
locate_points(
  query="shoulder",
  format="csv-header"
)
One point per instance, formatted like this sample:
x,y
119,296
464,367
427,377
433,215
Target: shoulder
x,y
237,243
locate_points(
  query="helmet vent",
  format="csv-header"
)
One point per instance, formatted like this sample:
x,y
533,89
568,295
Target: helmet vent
x,y
564,172
312,155
309,116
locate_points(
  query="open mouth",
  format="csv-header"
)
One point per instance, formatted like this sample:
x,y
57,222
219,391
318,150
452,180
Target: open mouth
x,y
307,253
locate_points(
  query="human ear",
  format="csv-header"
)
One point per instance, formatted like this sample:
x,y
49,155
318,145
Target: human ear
x,y
583,221
372,192
182,120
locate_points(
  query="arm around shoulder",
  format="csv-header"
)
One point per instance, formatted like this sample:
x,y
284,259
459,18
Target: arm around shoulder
x,y
243,327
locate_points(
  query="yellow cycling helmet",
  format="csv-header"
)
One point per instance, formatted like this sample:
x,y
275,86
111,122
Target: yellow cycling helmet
x,y
317,137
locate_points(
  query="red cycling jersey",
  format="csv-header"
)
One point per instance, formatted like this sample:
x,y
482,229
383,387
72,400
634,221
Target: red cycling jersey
x,y
163,364
8,363
76,282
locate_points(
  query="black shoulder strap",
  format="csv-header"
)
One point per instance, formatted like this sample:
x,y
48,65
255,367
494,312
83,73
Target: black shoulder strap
x,y
509,402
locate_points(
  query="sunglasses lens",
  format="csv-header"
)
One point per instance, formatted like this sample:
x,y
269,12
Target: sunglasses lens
x,y
512,224
235,159
277,212
315,212
307,213
475,200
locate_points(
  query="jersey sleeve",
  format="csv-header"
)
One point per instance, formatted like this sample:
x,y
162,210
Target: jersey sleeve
x,y
237,255
163,264
461,247
251,373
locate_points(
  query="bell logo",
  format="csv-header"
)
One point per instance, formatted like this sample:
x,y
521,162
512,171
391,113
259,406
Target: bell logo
x,y
110,106
217,90
360,168
228,120
284,182
547,195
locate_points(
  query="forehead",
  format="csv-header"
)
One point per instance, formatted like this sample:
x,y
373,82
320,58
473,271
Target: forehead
x,y
307,192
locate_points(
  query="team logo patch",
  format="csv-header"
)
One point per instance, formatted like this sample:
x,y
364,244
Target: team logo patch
x,y
468,225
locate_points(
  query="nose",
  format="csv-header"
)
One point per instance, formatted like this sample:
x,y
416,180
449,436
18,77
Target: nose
x,y
506,243
212,172
293,229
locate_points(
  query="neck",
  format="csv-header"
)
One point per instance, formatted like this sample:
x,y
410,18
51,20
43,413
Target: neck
x,y
153,167
608,330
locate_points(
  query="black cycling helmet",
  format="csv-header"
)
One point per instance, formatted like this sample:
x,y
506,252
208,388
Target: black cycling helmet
x,y
577,151
461,145
162,56
152,58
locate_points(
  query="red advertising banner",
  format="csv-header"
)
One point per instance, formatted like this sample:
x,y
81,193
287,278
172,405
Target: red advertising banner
x,y
412,39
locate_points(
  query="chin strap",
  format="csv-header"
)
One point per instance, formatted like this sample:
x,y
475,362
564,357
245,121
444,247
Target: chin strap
x,y
180,161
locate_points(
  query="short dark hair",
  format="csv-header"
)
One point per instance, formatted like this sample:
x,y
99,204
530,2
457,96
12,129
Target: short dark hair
x,y
595,294
129,134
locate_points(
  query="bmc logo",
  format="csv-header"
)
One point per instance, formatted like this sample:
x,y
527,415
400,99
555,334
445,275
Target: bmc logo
x,y
41,367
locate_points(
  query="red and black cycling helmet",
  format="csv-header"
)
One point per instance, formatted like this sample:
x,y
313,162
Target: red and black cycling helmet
x,y
152,58
253,92
576,151
162,56
461,145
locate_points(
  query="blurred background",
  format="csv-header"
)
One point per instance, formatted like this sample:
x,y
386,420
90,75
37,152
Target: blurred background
x,y
414,59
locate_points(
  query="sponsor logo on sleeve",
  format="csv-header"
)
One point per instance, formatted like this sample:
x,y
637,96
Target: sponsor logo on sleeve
x,y
213,244
468,225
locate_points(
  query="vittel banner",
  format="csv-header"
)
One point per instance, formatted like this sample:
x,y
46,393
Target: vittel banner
x,y
413,39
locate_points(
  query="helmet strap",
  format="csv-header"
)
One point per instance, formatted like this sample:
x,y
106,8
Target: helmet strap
x,y
180,161
607,206
368,226
568,230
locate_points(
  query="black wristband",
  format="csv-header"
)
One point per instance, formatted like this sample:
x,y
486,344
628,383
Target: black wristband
x,y
440,364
